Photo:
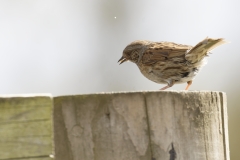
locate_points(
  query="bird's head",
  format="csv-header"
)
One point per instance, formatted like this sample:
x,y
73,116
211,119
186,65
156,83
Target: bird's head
x,y
133,52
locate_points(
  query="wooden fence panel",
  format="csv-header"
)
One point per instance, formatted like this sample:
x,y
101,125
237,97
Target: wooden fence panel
x,y
26,127
188,125
101,127
165,125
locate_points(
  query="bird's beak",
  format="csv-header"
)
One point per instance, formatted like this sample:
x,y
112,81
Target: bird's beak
x,y
122,59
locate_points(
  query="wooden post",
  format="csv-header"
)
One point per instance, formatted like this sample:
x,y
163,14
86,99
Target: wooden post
x,y
26,127
164,125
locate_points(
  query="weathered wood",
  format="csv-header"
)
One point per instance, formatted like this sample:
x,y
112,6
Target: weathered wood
x,y
101,127
141,126
191,124
26,127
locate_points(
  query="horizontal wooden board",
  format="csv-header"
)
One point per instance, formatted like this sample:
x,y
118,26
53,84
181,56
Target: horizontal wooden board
x,y
26,127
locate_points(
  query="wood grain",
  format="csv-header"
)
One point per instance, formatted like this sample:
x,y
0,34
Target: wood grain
x,y
101,127
164,125
26,127
188,123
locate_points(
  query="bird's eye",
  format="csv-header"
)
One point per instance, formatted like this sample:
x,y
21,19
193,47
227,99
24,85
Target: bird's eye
x,y
134,56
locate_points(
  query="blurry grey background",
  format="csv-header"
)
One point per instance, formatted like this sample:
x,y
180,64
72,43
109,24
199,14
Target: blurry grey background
x,y
72,46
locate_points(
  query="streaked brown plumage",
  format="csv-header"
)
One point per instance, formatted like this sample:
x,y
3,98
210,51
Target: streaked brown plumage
x,y
167,62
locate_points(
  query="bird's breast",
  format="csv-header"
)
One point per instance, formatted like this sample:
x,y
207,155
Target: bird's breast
x,y
163,72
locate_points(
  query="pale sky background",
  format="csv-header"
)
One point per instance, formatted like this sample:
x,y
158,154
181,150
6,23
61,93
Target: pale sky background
x,y
72,46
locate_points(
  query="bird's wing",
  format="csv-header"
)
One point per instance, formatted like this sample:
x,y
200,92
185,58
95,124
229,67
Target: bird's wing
x,y
199,51
161,51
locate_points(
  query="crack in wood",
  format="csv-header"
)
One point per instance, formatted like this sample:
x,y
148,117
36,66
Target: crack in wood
x,y
23,121
43,156
148,124
173,154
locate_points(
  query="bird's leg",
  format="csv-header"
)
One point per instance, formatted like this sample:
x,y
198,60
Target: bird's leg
x,y
169,85
189,84
164,88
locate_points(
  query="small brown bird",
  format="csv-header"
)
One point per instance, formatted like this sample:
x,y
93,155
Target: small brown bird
x,y
167,62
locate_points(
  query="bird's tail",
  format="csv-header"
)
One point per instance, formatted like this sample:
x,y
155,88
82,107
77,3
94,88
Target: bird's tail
x,y
199,51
